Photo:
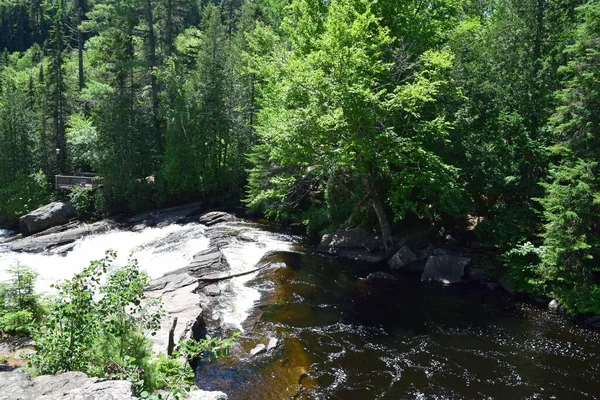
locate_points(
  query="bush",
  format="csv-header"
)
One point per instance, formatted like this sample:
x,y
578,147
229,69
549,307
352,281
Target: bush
x,y
20,307
83,200
100,329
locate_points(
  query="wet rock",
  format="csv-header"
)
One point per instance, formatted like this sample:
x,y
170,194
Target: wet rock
x,y
440,252
164,217
593,322
258,349
272,344
216,217
179,301
212,290
204,395
445,269
476,275
507,286
381,276
48,216
353,243
67,386
49,240
402,258
553,306
208,262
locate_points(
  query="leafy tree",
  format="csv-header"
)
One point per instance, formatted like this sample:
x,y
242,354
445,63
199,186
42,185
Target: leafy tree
x,y
331,103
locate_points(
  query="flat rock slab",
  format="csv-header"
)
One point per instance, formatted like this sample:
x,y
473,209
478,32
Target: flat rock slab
x,y
445,269
68,386
216,217
179,301
52,239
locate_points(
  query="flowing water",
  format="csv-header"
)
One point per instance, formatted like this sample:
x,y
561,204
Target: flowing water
x,y
343,337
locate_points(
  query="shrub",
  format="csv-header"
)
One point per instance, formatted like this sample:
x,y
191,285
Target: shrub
x,y
100,329
19,305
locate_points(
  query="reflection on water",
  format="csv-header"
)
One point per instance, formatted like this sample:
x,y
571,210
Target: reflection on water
x,y
345,338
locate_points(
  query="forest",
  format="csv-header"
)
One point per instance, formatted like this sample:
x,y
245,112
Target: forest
x,y
328,113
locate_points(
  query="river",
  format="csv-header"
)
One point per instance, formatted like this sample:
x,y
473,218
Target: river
x,y
343,337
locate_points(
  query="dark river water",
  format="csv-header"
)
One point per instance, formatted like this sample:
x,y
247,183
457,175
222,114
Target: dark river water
x,y
343,337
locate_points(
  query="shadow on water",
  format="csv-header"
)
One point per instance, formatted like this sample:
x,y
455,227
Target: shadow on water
x,y
344,337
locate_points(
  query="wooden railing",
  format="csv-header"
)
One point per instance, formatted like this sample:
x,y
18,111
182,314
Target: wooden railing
x,y
70,181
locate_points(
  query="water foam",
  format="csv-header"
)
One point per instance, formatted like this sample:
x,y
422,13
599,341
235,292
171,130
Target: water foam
x,y
158,250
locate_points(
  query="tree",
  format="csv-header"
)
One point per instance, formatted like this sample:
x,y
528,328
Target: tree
x,y
571,204
332,103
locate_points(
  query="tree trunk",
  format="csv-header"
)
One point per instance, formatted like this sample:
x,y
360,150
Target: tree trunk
x,y
152,64
169,34
80,44
384,222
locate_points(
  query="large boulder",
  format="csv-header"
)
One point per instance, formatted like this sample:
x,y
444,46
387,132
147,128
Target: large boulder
x,y
445,269
48,216
355,243
404,257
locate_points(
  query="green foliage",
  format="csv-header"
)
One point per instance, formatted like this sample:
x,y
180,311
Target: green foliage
x,y
84,201
98,324
20,306
177,375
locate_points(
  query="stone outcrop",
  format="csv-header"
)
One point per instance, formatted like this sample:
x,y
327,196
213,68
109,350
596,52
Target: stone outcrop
x,y
403,257
208,262
353,243
59,240
68,386
48,216
445,269
216,217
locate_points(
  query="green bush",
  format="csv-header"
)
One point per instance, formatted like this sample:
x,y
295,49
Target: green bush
x,y
100,329
20,307
84,201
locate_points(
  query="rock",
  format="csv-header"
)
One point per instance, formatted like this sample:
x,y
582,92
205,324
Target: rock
x,y
216,217
272,344
179,301
381,276
67,386
353,243
212,290
48,216
593,322
204,395
258,349
440,252
49,240
476,275
445,269
553,306
402,258
506,286
208,262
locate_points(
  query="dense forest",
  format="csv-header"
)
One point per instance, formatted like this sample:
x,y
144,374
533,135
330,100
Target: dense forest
x,y
330,113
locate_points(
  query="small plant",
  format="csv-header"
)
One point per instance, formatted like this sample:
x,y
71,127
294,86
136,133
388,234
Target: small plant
x,y
20,307
176,373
